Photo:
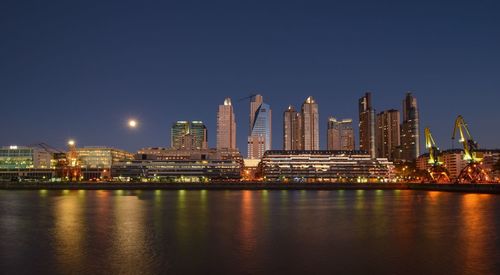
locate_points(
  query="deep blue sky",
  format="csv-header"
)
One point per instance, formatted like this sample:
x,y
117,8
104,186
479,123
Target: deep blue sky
x,y
80,69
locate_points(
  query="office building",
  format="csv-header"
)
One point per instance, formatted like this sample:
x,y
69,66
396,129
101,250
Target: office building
x,y
367,125
226,126
23,157
340,134
260,137
292,129
188,135
310,124
410,129
388,134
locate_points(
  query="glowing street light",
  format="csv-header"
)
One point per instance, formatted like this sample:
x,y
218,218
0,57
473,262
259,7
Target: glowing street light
x,y
71,142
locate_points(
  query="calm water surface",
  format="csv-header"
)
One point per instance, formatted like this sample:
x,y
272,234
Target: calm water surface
x,y
249,232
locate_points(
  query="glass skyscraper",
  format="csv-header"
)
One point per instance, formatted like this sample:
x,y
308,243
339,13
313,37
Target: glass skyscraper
x,y
259,139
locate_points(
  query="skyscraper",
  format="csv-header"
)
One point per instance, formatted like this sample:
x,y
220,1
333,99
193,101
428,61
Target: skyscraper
x,y
188,135
226,126
292,129
367,125
388,134
410,129
310,124
340,134
259,139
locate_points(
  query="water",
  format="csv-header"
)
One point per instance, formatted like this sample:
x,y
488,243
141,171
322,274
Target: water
x,y
249,232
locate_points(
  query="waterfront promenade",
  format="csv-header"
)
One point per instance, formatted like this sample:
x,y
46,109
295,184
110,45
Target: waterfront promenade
x,y
467,188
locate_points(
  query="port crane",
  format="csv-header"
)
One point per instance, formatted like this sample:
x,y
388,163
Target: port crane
x,y
473,172
437,173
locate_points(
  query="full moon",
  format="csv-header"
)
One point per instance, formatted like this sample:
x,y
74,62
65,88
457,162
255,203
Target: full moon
x,y
132,123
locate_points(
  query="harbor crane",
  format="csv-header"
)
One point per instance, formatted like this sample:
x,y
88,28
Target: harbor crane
x,y
437,173
473,172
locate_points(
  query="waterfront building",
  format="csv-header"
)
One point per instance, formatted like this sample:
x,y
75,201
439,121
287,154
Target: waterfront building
x,y
325,166
188,135
260,137
367,125
181,165
340,134
226,126
388,134
23,157
310,124
101,156
161,153
292,129
25,162
410,129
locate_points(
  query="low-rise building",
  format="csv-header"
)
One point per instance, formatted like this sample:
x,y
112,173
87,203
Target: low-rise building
x,y
177,170
325,166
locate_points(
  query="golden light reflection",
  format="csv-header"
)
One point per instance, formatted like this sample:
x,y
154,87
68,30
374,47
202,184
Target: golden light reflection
x,y
247,227
69,233
476,222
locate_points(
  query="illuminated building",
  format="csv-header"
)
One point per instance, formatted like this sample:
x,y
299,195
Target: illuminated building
x,y
410,129
310,124
259,139
340,134
160,153
22,162
325,166
226,126
388,134
21,157
101,157
292,129
188,135
167,164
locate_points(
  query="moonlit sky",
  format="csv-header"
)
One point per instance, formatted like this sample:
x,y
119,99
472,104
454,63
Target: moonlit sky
x,y
82,69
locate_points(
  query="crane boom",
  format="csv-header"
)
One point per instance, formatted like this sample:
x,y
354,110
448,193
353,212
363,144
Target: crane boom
x,y
470,146
434,153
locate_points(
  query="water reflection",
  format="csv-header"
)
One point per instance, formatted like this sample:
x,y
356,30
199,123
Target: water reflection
x,y
69,233
476,234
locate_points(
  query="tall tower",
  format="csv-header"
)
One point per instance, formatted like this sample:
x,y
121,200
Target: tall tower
x,y
310,124
340,134
188,135
226,126
410,129
259,139
367,125
388,134
292,129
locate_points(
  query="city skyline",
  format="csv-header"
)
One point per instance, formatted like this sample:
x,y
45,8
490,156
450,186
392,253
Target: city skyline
x,y
323,132
179,62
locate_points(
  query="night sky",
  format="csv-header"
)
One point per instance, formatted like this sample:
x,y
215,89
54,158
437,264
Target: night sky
x,y
79,70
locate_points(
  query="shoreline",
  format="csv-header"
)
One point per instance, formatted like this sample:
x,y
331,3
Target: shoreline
x,y
462,188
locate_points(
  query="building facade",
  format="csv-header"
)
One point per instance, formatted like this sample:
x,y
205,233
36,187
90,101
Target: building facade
x,y
226,126
22,157
325,166
340,134
388,134
367,125
188,135
310,124
292,129
260,137
410,129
